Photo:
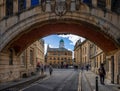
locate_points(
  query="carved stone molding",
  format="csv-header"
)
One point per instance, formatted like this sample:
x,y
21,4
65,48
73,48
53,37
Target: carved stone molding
x,y
60,7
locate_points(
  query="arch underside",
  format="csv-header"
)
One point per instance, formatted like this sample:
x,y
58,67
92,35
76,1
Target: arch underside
x,y
40,30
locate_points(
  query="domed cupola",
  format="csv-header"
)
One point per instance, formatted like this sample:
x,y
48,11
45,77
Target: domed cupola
x,y
61,43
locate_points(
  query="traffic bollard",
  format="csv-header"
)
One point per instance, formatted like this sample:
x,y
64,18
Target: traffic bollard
x,y
96,83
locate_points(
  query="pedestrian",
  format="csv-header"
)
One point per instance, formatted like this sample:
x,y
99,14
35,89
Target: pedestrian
x,y
50,69
87,67
82,68
38,67
42,69
45,67
102,73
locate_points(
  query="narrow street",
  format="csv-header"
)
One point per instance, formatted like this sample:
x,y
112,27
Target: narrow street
x,y
61,80
66,80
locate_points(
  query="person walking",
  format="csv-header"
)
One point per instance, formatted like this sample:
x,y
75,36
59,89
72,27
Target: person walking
x,y
38,67
42,69
102,73
50,69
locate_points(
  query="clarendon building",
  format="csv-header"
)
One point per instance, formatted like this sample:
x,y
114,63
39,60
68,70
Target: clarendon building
x,y
87,53
59,57
13,69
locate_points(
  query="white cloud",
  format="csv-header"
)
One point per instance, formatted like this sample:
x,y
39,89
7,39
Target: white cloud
x,y
52,46
72,38
69,49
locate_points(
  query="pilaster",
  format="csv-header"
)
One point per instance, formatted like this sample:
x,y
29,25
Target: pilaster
x,y
2,8
94,3
108,4
28,4
15,6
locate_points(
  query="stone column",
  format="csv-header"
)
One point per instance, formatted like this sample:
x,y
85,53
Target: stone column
x,y
48,6
1,3
94,3
108,4
15,6
2,8
28,4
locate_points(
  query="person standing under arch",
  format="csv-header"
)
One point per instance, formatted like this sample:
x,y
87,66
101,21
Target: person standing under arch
x,y
102,73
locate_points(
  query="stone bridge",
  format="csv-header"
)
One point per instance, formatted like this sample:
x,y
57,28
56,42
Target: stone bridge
x,y
21,25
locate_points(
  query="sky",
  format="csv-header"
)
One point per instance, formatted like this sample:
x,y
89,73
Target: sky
x,y
69,41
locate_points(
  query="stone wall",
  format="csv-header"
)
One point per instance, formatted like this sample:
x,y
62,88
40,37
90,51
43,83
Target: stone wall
x,y
8,72
17,70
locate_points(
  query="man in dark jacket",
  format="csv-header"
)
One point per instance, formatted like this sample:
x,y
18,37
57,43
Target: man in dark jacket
x,y
102,73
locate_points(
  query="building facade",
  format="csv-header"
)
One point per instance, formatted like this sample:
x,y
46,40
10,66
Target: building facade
x,y
77,53
87,52
97,56
116,65
40,52
81,51
33,55
13,69
59,57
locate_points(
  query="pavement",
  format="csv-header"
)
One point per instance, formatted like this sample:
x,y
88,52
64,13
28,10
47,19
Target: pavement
x,y
21,80
91,78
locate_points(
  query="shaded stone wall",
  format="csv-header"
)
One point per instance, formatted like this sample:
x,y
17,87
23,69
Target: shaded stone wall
x,y
9,72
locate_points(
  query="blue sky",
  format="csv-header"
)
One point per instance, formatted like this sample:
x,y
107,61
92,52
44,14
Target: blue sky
x,y
69,41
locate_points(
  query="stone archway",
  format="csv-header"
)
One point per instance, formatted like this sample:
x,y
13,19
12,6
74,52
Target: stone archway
x,y
84,29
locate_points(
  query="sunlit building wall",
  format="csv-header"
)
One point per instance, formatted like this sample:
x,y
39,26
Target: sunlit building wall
x,y
59,57
40,52
77,53
30,57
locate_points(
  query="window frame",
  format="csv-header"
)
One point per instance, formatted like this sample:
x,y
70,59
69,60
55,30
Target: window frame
x,y
9,7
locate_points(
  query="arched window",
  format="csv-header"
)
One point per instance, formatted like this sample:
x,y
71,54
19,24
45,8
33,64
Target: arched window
x,y
21,5
23,58
34,3
88,2
54,58
101,4
31,57
65,53
9,7
115,6
50,58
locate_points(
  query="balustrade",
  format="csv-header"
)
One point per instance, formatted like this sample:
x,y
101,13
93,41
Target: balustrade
x,y
60,7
